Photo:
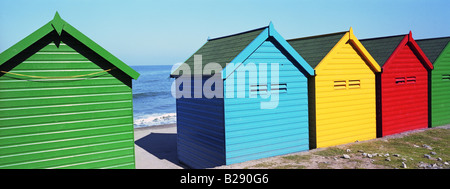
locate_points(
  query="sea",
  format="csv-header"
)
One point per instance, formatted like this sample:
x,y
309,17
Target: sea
x,y
153,103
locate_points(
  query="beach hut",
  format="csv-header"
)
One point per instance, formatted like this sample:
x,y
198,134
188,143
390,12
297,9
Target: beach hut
x,y
402,84
342,93
438,52
256,113
65,102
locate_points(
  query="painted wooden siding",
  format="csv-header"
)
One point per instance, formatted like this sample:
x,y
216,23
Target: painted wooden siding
x,y
440,90
253,133
64,123
200,130
349,114
404,105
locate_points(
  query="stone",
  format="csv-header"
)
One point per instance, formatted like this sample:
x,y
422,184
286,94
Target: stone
x,y
396,155
348,150
439,159
386,155
427,156
388,159
369,155
433,153
427,147
364,154
404,165
360,151
422,165
446,163
416,146
345,156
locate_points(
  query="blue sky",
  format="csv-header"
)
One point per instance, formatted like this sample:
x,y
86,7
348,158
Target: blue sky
x,y
149,32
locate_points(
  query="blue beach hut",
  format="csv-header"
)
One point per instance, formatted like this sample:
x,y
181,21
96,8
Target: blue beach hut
x,y
241,97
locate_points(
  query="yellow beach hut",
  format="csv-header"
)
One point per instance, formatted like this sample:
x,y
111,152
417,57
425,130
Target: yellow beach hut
x,y
342,92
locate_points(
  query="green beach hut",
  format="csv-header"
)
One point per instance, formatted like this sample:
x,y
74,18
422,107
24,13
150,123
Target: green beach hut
x,y
65,102
438,52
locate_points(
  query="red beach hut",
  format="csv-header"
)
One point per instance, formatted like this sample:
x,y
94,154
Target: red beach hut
x,y
403,84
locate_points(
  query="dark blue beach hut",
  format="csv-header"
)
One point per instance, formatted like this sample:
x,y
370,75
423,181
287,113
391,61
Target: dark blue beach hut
x,y
253,100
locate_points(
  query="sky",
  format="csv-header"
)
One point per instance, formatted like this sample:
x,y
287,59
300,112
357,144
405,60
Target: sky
x,y
165,32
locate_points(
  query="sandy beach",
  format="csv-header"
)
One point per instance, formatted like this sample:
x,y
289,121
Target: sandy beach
x,y
156,147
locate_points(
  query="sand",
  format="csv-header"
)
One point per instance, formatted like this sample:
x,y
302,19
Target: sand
x,y
156,147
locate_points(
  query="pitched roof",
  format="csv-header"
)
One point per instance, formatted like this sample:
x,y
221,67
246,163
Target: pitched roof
x,y
433,47
222,50
314,48
381,48
58,25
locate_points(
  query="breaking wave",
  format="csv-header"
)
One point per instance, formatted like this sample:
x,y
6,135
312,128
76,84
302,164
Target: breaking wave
x,y
155,119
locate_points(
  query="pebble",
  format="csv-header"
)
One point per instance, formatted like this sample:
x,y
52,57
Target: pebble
x,y
432,165
404,165
345,156
427,147
422,164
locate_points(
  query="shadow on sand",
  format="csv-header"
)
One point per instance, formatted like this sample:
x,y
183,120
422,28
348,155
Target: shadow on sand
x,y
161,145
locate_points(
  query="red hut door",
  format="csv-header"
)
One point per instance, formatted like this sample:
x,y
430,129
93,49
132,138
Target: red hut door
x,y
404,93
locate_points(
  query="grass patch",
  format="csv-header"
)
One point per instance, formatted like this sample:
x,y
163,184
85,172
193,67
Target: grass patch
x,y
290,167
331,151
409,149
297,158
264,165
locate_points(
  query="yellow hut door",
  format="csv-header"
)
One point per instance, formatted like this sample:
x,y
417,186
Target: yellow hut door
x,y
345,97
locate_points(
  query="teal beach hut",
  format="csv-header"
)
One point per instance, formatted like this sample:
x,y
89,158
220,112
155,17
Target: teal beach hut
x,y
253,100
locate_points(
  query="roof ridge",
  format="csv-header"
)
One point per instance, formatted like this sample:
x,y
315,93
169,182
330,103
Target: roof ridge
x,y
238,33
58,24
431,38
316,36
382,37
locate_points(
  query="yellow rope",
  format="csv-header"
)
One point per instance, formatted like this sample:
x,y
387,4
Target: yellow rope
x,y
57,77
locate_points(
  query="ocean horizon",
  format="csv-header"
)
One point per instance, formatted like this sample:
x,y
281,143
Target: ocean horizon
x,y
153,103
